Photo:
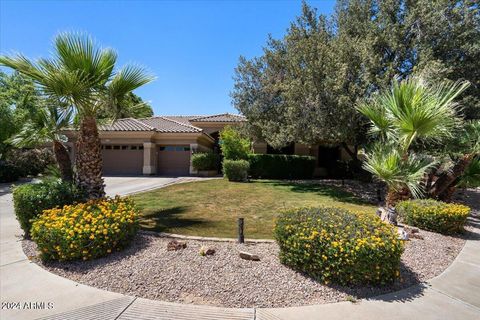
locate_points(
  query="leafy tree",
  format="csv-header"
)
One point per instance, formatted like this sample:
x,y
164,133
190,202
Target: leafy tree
x,y
46,127
18,102
132,106
233,144
81,74
305,86
412,112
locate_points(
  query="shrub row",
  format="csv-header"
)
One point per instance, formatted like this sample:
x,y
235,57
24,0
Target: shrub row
x,y
85,231
205,161
25,162
332,244
281,166
434,215
30,200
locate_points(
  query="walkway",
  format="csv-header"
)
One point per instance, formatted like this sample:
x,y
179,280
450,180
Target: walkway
x,y
30,292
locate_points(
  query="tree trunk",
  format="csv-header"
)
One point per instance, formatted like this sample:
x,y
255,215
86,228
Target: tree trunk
x,y
353,154
393,197
88,159
448,178
63,160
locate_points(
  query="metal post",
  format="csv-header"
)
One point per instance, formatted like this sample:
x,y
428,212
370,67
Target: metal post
x,y
241,238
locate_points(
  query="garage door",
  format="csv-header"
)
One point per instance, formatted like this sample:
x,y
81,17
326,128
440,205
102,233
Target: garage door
x,y
122,159
174,160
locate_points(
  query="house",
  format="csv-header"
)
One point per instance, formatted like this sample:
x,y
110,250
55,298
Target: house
x,y
163,145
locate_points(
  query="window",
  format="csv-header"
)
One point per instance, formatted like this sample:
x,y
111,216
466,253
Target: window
x,y
133,147
140,148
116,147
124,147
174,148
108,147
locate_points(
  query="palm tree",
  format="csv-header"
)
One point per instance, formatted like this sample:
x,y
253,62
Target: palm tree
x,y
81,74
46,127
412,112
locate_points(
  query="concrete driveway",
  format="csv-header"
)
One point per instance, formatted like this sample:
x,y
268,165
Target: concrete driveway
x,y
127,185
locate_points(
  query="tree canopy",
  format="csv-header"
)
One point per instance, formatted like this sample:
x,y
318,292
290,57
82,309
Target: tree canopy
x,y
306,85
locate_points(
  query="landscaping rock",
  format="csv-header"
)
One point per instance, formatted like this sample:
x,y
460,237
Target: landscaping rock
x,y
249,256
207,251
175,245
402,234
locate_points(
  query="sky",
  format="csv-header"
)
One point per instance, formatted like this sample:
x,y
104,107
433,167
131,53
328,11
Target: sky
x,y
192,47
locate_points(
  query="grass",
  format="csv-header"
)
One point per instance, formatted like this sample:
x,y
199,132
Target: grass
x,y
211,208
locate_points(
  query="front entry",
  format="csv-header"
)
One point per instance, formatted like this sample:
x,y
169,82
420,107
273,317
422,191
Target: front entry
x,y
174,160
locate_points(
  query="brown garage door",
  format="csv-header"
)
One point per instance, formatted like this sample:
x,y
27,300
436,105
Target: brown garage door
x,y
122,159
174,160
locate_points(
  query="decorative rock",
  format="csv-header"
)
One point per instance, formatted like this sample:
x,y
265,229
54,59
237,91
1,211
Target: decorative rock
x,y
402,234
206,251
388,215
249,256
175,245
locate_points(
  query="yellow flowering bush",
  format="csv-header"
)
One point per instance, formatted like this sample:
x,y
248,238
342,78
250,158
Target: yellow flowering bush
x,y
333,244
86,230
433,215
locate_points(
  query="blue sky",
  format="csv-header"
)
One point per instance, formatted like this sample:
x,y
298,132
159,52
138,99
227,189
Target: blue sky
x,y
192,47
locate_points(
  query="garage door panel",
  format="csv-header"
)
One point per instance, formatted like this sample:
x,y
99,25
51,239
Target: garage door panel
x,y
174,160
122,161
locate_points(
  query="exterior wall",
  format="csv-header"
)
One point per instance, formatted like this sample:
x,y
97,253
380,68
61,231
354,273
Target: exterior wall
x,y
260,147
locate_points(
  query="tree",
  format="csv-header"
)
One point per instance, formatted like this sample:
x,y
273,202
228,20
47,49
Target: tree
x,y
305,86
18,102
81,74
412,112
233,145
46,127
131,107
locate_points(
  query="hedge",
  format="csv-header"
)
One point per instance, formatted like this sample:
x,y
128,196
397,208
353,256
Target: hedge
x,y
438,216
205,161
332,244
281,166
30,200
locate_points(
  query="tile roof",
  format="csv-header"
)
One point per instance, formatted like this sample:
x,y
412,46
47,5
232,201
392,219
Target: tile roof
x,y
169,124
226,117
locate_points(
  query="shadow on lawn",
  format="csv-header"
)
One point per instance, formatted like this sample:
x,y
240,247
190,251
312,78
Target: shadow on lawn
x,y
322,190
163,219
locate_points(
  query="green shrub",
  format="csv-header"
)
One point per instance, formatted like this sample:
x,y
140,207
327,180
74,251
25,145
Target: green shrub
x,y
332,244
433,215
205,161
235,170
9,172
86,230
233,145
31,162
30,200
281,166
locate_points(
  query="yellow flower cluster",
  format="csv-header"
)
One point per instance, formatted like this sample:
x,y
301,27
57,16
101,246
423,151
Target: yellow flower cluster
x,y
86,230
332,244
434,215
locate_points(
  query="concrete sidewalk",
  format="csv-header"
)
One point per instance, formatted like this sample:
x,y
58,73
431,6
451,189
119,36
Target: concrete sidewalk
x,y
455,294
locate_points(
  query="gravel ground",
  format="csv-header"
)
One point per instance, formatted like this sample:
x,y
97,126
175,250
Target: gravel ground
x,y
146,269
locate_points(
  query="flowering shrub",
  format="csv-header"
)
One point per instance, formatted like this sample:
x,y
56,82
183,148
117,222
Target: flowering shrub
x,y
85,231
434,215
332,244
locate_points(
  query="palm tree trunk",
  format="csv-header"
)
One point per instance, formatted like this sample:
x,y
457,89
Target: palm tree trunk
x,y
88,159
63,160
393,197
447,178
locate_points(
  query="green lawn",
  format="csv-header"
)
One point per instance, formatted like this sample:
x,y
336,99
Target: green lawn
x,y
211,208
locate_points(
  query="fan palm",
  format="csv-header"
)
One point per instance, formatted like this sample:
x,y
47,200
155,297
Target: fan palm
x,y
81,74
412,111
46,127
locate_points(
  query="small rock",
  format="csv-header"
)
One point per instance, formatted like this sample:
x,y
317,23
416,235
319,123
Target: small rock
x,y
249,256
412,230
402,234
175,245
206,251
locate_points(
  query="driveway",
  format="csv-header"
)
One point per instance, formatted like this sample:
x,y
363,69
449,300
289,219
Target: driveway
x,y
127,185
